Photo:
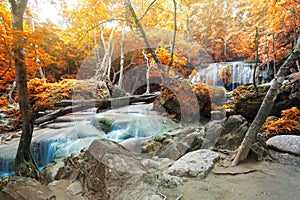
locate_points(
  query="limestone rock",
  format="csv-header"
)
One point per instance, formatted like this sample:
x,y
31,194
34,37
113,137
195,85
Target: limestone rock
x,y
75,188
175,143
285,143
26,188
194,164
235,128
170,181
49,173
214,130
112,172
173,150
194,139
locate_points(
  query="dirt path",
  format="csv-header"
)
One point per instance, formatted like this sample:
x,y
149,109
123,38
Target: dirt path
x,y
249,181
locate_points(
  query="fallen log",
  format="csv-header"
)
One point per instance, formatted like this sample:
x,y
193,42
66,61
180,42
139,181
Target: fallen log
x,y
79,105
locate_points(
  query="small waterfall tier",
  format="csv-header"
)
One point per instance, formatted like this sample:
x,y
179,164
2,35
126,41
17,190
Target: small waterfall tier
x,y
227,74
69,134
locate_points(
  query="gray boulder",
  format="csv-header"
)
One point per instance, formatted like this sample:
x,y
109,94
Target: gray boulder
x,y
232,135
194,164
112,172
285,143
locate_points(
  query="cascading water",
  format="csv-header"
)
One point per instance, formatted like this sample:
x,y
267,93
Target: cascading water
x,y
43,152
49,144
227,74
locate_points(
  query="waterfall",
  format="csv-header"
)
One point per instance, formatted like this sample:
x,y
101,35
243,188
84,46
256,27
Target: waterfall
x,y
239,73
7,167
44,151
50,144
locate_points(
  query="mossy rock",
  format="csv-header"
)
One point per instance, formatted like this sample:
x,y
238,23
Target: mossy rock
x,y
247,102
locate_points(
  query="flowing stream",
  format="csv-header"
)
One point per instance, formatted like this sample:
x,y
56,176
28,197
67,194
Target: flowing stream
x,y
69,134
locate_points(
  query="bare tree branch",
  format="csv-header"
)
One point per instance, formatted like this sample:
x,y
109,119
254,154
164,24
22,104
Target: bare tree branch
x,y
149,7
137,22
174,35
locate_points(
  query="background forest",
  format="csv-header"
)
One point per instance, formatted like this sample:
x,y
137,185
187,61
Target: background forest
x,y
207,31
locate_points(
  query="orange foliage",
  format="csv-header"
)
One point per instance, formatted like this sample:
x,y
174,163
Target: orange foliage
x,y
179,62
287,124
44,95
3,102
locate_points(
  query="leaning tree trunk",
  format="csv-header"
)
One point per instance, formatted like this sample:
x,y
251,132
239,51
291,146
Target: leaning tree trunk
x,y
24,161
265,107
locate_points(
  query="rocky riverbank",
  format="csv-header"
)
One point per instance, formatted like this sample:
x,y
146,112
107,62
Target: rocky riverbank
x,y
183,162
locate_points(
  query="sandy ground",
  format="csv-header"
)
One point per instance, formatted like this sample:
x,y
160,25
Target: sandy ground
x,y
248,181
263,180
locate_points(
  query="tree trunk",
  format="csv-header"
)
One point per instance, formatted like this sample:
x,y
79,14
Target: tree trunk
x,y
24,161
122,56
265,107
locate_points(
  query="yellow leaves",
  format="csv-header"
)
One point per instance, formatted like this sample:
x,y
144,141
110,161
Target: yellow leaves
x,y
287,124
3,102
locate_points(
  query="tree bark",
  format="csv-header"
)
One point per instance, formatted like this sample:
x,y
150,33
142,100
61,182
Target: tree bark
x,y
265,107
24,161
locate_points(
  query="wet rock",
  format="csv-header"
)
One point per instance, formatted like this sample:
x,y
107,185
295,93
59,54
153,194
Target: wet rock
x,y
112,172
194,164
285,143
235,128
102,123
26,188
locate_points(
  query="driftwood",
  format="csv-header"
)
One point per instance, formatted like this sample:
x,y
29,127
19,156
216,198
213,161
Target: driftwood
x,y
79,105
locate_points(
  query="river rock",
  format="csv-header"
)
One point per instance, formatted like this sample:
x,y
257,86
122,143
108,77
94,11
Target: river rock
x,y
235,128
174,144
49,173
247,101
194,164
170,181
75,188
214,130
26,188
112,172
285,143
173,150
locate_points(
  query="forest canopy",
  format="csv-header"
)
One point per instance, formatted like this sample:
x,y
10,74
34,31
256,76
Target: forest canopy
x,y
207,31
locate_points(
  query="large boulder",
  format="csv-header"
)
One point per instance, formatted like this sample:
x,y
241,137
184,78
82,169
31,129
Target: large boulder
x,y
112,172
233,133
190,103
247,101
26,188
285,143
194,164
